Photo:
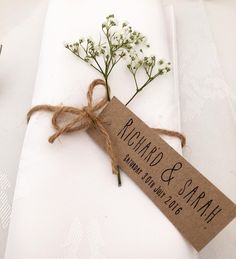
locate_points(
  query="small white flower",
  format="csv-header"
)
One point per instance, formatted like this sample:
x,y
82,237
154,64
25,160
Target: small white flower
x,y
90,39
113,22
114,41
98,48
125,24
81,40
144,40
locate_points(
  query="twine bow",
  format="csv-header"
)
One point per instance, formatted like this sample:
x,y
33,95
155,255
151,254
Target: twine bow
x,y
83,118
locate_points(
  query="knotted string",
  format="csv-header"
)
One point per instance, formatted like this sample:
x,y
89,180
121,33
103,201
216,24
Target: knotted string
x,y
83,118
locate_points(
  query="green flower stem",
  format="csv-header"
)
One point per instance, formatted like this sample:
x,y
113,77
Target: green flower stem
x,y
143,86
135,80
118,176
107,89
101,70
113,65
132,97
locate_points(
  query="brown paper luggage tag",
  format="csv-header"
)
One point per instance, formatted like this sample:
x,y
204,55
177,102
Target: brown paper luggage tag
x,y
193,204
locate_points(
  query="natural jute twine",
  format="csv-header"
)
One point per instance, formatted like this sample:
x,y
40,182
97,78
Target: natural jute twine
x,y
86,116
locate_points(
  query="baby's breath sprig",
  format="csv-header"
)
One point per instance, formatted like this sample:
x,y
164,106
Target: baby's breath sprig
x,y
152,67
118,41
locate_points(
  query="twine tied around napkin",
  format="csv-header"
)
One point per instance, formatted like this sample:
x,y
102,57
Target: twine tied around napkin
x,y
83,118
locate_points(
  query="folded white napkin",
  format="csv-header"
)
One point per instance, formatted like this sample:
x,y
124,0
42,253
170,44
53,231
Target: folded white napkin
x,y
67,203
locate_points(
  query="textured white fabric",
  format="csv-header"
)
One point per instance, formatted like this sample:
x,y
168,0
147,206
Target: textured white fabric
x,y
207,111
67,203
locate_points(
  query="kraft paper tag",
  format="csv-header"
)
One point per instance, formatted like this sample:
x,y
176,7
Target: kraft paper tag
x,y
193,204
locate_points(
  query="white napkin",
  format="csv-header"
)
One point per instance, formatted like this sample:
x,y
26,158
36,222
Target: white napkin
x,y
67,203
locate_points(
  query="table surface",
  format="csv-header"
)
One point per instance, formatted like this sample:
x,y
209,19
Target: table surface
x,y
21,29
